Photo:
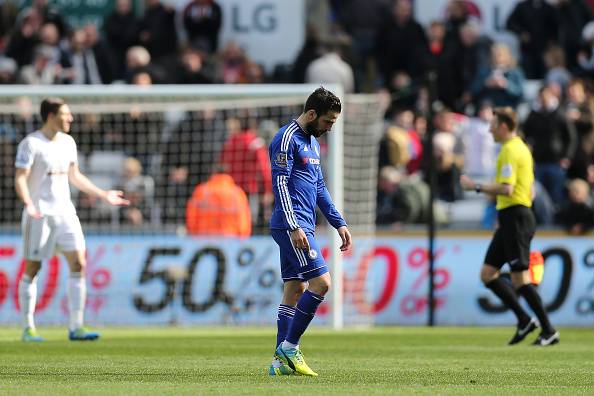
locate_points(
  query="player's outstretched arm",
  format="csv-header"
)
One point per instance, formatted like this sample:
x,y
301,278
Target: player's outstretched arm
x,y
345,235
80,181
22,189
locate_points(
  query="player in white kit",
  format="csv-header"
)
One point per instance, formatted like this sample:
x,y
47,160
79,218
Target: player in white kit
x,y
46,163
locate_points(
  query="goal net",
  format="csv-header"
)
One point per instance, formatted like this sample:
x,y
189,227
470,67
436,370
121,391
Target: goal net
x,y
158,144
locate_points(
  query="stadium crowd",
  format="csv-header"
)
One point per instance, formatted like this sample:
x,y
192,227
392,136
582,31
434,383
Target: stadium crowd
x,y
367,46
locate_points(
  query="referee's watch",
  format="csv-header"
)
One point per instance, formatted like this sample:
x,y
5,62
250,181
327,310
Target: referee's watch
x,y
478,188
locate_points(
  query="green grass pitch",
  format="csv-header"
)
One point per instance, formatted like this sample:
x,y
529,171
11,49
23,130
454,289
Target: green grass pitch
x,y
234,361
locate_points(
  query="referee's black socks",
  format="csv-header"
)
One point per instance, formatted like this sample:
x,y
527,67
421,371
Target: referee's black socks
x,y
506,293
535,302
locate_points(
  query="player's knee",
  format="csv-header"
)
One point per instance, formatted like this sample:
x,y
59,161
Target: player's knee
x,y
488,274
298,292
32,268
78,265
320,285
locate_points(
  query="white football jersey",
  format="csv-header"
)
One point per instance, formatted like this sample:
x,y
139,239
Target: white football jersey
x,y
49,161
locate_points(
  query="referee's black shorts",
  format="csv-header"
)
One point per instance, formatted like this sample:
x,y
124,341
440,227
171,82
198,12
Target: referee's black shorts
x,y
511,241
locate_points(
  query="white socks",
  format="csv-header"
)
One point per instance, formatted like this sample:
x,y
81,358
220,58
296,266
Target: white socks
x,y
77,294
287,345
27,300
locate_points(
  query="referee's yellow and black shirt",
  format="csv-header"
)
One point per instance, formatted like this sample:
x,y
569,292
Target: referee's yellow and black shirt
x,y
515,166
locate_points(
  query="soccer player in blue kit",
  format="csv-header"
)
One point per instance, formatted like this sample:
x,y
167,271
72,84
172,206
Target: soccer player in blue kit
x,y
299,186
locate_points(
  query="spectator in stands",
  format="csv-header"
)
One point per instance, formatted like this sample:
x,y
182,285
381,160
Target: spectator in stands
x,y
582,163
456,15
102,52
361,20
556,71
233,66
51,14
8,16
49,35
471,54
394,145
437,58
142,78
536,26
218,207
44,70
121,32
79,61
194,68
8,70
501,81
572,15
25,37
578,108
309,51
401,41
576,215
139,189
138,60
479,146
202,21
400,199
157,30
552,143
330,68
585,57
448,149
416,136
245,156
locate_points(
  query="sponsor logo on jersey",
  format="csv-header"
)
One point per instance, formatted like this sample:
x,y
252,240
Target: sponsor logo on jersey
x,y
310,160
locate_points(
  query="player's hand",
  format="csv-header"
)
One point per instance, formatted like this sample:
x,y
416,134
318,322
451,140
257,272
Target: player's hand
x,y
299,239
115,198
467,183
32,211
347,240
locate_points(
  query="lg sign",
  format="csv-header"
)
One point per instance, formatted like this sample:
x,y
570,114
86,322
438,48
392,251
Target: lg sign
x,y
263,19
272,32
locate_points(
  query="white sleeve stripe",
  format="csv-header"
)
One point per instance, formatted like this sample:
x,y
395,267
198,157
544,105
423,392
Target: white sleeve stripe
x,y
289,206
286,201
301,259
287,135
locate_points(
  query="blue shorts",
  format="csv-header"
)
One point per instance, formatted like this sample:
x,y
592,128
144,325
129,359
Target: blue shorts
x,y
297,264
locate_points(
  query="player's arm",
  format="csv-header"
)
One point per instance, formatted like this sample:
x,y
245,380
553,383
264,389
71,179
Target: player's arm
x,y
22,190
80,181
281,161
24,161
324,202
489,188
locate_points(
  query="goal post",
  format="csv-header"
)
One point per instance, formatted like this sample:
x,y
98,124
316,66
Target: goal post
x,y
104,114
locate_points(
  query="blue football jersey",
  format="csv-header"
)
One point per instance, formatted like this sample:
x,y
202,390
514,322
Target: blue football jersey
x,y
297,181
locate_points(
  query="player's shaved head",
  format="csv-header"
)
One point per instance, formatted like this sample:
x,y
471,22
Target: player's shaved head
x,y
50,106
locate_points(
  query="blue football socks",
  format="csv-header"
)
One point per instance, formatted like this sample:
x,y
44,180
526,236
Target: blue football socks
x,y
283,322
304,313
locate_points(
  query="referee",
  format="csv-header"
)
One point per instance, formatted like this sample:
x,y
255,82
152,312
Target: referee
x,y
513,188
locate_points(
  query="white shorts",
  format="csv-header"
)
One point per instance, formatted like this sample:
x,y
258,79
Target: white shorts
x,y
43,238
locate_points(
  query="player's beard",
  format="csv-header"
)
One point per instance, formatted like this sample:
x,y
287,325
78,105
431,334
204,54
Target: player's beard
x,y
312,129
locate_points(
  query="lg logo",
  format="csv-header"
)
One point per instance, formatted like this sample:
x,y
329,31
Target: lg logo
x,y
263,19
